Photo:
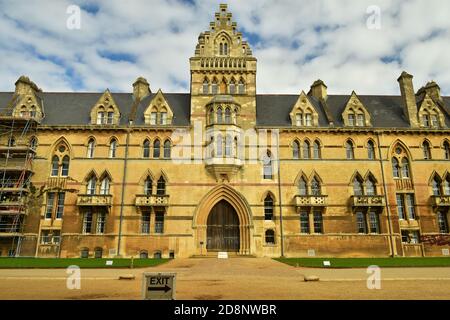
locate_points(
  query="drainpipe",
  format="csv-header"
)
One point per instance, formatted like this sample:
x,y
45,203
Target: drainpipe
x,y
388,210
279,195
123,189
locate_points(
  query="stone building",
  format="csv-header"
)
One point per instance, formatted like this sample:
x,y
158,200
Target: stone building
x,y
222,168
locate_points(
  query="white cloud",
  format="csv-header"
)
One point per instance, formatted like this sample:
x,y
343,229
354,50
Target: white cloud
x,y
296,42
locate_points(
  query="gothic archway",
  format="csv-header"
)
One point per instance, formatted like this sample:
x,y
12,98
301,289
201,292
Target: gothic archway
x,y
234,203
222,233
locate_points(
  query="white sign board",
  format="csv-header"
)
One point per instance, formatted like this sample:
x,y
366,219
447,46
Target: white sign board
x,y
222,255
109,262
327,263
158,286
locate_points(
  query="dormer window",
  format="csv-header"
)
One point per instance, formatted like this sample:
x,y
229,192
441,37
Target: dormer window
x,y
163,118
100,117
33,112
355,113
308,119
360,120
351,119
105,111
298,119
426,120
158,111
110,119
303,113
434,121
153,116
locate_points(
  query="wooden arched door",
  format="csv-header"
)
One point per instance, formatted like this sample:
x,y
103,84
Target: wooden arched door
x,y
223,228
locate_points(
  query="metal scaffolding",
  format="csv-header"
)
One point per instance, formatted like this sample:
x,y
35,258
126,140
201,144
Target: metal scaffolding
x,y
17,152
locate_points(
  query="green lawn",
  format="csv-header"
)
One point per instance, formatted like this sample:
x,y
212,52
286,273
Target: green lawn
x,y
365,262
82,263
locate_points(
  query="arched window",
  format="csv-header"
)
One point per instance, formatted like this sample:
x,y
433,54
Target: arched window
x,y
148,186
370,187
55,166
315,187
90,148
302,187
214,87
153,116
296,150
143,254
219,115
225,49
113,148
167,148
232,87
227,115
205,87
308,119
360,120
241,87
405,168
426,150
98,252
161,186
100,117
306,150
236,148
65,166
33,112
395,168
91,186
349,150
270,236
267,166
268,208
156,149
228,145
357,187
351,119
211,116
104,188
146,148
370,150
110,117
299,119
436,186
316,150
446,150
219,147
446,187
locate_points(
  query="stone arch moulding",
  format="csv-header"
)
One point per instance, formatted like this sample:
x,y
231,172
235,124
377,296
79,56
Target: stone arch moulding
x,y
238,202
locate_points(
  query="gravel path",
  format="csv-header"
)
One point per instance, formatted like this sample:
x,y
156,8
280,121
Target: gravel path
x,y
235,278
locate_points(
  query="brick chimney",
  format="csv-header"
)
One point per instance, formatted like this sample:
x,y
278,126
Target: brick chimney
x,y
318,90
141,88
408,99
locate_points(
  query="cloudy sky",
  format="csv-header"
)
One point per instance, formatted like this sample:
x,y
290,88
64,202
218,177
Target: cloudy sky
x,y
296,42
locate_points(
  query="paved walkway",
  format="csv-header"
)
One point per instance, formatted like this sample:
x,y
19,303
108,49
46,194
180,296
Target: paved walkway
x,y
235,278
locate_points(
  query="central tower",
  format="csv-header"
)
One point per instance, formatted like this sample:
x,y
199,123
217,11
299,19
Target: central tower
x,y
223,68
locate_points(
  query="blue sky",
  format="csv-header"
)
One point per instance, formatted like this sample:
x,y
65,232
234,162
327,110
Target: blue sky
x,y
295,42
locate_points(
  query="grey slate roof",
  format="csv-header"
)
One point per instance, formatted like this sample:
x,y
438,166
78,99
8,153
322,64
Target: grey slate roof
x,y
63,108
